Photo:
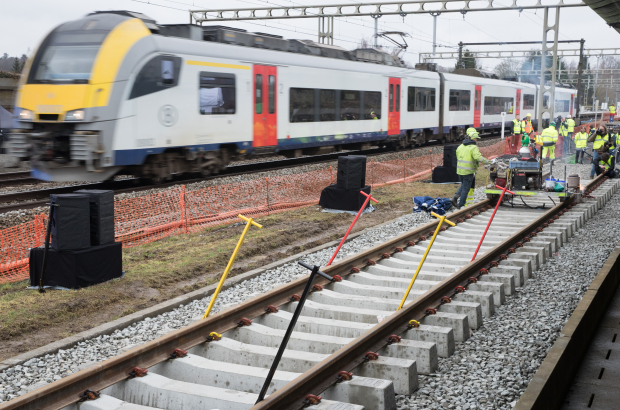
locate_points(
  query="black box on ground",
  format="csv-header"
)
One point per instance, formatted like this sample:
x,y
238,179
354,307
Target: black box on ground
x,y
77,268
351,172
70,221
101,215
333,197
449,155
444,174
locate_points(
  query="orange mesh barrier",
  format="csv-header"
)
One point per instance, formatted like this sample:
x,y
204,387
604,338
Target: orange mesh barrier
x,y
151,217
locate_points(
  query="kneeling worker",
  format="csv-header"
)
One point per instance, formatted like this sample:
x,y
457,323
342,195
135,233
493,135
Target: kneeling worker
x,y
468,157
606,165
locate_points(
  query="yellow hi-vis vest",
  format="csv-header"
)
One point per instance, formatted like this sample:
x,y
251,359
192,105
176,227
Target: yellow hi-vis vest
x,y
549,136
599,141
516,126
571,125
612,109
581,140
467,159
604,164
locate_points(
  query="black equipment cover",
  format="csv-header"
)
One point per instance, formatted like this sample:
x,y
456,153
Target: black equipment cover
x,y
333,197
351,172
79,268
71,222
444,174
101,215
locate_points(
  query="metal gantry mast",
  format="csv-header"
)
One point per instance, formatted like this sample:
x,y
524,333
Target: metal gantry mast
x,y
375,10
545,68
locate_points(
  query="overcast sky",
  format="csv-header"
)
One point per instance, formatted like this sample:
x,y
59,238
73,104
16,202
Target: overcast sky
x,y
24,23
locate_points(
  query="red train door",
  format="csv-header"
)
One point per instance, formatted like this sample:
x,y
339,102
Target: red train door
x,y
572,101
477,105
394,107
265,112
518,105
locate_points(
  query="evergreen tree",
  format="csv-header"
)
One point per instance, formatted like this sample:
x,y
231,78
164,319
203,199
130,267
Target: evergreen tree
x,y
17,67
469,61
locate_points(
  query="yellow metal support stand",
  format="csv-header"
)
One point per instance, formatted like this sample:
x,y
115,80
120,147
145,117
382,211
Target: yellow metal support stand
x,y
442,219
249,223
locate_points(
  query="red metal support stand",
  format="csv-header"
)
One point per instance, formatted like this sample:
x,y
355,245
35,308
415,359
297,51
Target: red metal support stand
x,y
499,201
368,198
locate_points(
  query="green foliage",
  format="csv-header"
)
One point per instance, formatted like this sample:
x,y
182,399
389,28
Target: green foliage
x,y
469,61
7,74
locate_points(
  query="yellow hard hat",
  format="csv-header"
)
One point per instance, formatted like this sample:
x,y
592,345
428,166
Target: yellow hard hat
x,y
528,115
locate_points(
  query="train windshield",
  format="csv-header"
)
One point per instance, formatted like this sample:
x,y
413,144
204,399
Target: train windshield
x,y
69,57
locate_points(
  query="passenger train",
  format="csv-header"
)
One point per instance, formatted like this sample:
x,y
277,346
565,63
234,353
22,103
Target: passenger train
x,y
114,92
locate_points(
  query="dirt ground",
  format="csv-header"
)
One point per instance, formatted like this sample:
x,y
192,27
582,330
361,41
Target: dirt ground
x,y
176,265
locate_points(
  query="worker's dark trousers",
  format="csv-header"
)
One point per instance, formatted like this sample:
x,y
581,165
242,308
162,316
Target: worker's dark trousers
x,y
580,152
467,182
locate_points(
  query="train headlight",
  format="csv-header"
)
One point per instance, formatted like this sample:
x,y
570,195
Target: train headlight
x,y
25,115
75,115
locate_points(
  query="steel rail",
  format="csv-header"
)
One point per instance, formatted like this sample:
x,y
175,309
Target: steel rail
x,y
38,198
66,391
14,175
324,374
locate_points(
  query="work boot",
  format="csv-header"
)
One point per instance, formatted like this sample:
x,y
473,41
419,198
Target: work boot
x,y
454,200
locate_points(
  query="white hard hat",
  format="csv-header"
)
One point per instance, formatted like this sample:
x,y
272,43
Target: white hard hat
x,y
569,116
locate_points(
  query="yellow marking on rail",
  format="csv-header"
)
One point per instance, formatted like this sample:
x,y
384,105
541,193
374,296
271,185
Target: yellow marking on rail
x,y
220,65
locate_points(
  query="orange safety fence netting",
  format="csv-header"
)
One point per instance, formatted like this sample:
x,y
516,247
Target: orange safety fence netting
x,y
154,216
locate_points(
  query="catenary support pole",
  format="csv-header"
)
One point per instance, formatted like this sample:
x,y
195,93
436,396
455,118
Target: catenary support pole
x,y
368,198
442,219
579,77
249,223
300,305
499,201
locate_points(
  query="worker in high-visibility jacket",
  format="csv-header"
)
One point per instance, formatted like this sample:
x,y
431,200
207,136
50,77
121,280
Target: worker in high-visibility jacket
x,y
581,142
517,132
570,125
606,165
612,113
549,138
564,133
468,157
600,139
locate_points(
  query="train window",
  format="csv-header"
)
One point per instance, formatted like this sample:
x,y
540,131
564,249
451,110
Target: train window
x,y
272,94
420,99
528,101
497,105
302,105
327,105
160,73
217,93
397,97
391,97
460,100
546,101
372,104
350,103
562,105
258,96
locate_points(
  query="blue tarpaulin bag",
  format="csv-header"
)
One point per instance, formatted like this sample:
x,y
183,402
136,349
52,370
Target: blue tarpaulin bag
x,y
428,204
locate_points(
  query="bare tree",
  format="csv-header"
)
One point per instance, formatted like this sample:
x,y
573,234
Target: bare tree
x,y
509,67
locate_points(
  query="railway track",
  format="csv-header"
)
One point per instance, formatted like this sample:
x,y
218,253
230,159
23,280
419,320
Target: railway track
x,y
37,198
340,328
